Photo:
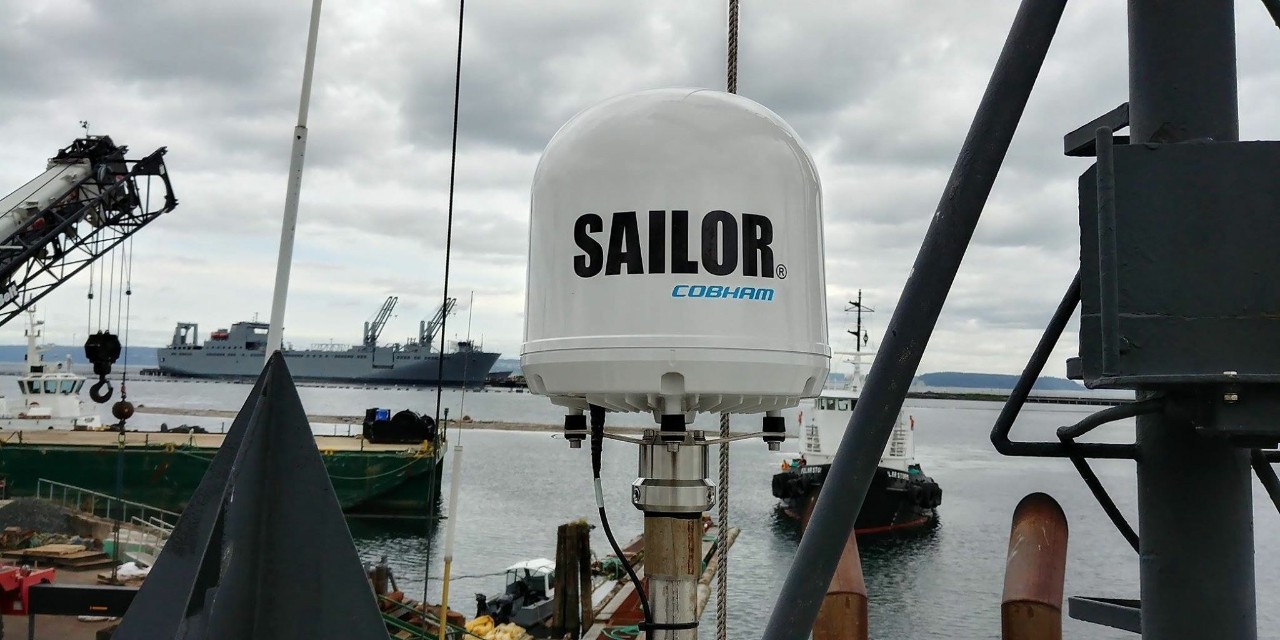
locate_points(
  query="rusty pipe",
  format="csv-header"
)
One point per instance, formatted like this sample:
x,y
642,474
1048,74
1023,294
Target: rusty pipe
x,y
843,613
1031,608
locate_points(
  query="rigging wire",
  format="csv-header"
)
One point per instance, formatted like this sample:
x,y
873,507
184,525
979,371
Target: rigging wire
x,y
722,531
448,235
111,290
88,321
127,276
120,290
462,403
444,318
101,280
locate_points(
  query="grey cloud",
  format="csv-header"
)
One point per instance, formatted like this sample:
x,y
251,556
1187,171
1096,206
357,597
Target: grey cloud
x,y
882,92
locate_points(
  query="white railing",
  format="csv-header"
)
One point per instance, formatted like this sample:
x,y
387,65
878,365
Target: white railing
x,y
103,505
145,539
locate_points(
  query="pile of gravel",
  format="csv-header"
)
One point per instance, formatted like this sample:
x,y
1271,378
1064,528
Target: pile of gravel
x,y
35,515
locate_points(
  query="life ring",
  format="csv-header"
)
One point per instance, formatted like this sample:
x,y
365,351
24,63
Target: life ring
x,y
170,447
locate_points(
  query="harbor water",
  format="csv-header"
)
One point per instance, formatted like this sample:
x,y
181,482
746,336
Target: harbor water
x,y
945,583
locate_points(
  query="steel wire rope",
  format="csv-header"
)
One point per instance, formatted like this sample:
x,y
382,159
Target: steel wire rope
x,y
126,275
88,321
722,531
111,290
101,282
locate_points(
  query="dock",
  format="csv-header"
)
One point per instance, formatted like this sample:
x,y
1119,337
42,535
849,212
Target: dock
x,y
148,439
617,604
993,396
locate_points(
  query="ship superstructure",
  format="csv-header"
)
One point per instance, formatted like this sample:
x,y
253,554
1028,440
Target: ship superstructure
x,y
901,495
48,393
238,352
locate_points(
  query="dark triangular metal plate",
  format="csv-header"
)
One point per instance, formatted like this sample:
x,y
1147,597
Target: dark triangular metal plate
x,y
262,549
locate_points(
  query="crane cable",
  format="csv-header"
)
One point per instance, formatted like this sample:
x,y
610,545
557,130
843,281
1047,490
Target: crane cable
x,y
722,531
126,278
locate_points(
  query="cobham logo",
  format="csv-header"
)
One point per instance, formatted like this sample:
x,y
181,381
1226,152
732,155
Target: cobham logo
x,y
727,246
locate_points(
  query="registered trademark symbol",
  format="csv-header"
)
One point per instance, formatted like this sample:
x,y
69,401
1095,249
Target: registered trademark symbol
x,y
782,271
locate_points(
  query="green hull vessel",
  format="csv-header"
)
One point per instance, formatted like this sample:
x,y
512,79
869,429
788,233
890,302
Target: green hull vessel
x,y
163,470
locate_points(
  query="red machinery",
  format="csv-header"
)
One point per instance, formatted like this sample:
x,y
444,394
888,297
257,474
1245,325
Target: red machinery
x,y
14,585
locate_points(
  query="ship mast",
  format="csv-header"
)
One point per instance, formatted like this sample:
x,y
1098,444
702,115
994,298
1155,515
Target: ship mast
x,y
33,332
275,331
861,338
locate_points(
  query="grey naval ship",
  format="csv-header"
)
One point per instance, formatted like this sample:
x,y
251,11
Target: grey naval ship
x,y
239,352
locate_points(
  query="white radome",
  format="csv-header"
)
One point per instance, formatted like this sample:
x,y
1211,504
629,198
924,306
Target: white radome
x,y
676,259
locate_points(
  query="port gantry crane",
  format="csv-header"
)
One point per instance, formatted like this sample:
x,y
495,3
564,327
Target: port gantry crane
x,y
373,328
427,328
87,201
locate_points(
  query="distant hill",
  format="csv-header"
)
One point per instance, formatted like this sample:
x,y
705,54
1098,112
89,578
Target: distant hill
x,y
146,357
962,380
138,356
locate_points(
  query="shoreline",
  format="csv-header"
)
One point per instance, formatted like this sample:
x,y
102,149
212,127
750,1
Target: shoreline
x,y
359,421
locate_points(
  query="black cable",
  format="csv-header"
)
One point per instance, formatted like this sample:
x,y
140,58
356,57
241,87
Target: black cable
x,y
1099,492
597,446
1091,480
1266,475
1273,8
1022,390
1111,414
448,233
444,318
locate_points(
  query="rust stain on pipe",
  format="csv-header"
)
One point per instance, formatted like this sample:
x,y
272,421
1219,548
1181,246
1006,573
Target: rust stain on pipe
x,y
843,614
1031,608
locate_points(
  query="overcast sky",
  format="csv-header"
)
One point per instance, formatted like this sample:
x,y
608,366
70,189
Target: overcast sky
x,y
881,91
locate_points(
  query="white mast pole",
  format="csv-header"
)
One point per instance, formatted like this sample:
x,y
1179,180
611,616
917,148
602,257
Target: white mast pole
x,y
285,260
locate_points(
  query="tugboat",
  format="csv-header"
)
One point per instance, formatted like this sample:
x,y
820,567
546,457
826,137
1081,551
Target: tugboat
x,y
901,496
50,393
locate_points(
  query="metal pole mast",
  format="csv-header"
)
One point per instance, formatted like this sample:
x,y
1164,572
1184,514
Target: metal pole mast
x,y
913,320
285,260
1194,493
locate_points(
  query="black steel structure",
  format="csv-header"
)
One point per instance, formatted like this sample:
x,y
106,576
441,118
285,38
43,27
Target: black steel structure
x,y
1179,298
262,550
97,213
914,318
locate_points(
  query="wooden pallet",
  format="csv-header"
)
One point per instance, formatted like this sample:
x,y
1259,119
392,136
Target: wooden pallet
x,y
70,556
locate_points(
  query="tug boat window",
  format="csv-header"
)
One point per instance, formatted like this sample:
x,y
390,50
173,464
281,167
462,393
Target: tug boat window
x,y
50,386
68,386
834,404
79,383
32,386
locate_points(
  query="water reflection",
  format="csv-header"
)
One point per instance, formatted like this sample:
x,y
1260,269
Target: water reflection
x,y
408,544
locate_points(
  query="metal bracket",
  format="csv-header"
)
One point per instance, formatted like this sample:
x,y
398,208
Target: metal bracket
x,y
1117,613
1081,143
733,438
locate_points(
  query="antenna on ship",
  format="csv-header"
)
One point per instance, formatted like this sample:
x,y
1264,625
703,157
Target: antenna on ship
x,y
861,337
